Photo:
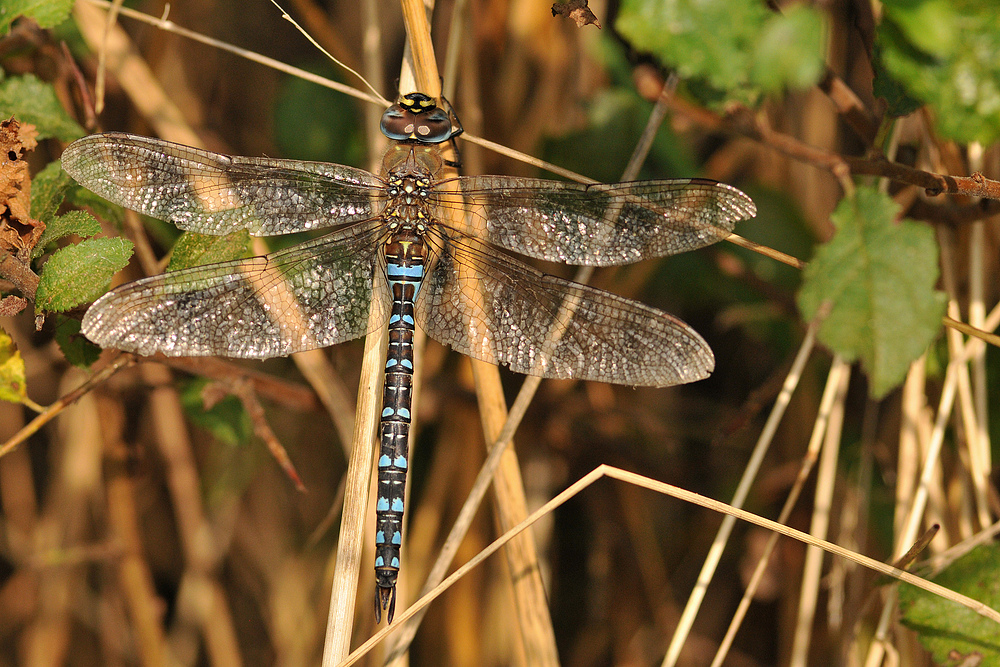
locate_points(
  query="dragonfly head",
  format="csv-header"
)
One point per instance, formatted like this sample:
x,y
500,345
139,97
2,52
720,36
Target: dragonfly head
x,y
417,117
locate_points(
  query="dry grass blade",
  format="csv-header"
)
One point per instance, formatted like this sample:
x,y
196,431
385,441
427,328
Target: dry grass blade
x,y
350,545
831,394
686,496
686,621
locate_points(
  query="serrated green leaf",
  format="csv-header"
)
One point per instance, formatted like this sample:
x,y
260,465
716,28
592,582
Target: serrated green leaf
x,y
789,53
74,345
879,277
80,223
47,13
80,273
12,383
710,40
735,46
48,189
951,65
34,101
950,631
193,249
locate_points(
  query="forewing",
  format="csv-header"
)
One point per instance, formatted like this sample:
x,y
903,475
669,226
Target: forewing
x,y
217,194
600,224
312,295
497,309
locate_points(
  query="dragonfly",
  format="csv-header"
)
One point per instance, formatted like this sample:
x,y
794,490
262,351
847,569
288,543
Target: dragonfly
x,y
411,245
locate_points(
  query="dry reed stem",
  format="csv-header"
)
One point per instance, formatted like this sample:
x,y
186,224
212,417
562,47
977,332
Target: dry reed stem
x,y
812,570
344,590
687,496
714,556
32,427
978,456
831,394
530,601
134,575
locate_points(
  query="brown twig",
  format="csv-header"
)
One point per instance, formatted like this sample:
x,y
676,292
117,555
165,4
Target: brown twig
x,y
744,122
243,390
276,390
19,273
50,412
850,107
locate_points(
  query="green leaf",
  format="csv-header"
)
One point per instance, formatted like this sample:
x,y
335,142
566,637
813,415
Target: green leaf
x,y
227,421
944,54
703,39
75,347
193,249
80,273
951,632
48,189
80,223
34,101
879,277
930,25
12,382
888,87
790,50
47,13
101,207
735,46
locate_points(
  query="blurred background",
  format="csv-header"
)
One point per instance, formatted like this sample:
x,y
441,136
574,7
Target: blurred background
x,y
157,485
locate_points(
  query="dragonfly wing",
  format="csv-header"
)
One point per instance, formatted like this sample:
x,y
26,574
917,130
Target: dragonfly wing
x,y
497,309
600,224
312,295
211,193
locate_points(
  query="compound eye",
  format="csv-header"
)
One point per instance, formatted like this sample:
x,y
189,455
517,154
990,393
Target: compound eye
x,y
433,126
397,123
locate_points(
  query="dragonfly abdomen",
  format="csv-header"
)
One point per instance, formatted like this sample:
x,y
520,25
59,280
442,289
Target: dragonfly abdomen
x,y
405,255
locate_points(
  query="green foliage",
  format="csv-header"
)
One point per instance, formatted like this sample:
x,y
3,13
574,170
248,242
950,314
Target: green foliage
x,y
75,347
47,13
736,46
952,633
80,223
887,87
316,123
226,420
193,249
616,119
35,102
943,52
879,277
48,188
102,208
789,50
12,383
80,273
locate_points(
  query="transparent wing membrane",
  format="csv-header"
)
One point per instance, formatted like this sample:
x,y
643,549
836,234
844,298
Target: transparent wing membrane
x,y
497,309
600,224
312,295
211,193
476,299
